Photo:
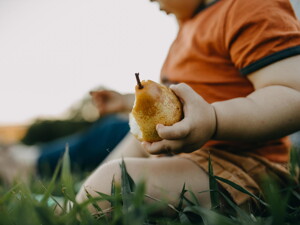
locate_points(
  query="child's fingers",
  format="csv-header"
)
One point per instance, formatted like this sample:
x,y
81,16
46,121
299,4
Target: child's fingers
x,y
180,89
177,131
163,147
183,91
188,96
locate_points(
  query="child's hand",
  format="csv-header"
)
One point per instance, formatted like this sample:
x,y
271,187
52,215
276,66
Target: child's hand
x,y
197,127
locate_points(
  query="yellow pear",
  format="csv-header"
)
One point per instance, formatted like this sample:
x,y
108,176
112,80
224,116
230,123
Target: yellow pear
x,y
154,104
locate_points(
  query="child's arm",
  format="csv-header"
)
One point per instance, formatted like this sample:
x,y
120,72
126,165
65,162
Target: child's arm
x,y
271,111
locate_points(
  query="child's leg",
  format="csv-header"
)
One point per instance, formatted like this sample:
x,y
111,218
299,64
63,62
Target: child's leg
x,y
128,147
164,178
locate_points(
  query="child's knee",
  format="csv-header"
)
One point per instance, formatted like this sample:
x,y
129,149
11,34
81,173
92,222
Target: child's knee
x,y
100,181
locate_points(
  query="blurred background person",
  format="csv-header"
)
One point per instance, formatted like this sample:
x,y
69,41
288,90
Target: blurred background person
x,y
89,142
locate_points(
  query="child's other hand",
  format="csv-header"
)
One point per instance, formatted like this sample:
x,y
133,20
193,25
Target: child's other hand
x,y
191,133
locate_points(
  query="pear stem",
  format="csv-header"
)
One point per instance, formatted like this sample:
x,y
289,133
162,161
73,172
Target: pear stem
x,y
138,81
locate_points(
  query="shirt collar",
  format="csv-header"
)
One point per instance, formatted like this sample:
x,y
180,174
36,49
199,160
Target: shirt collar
x,y
203,6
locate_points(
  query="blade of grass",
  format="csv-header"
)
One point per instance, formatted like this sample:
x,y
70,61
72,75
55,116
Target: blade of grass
x,y
66,177
9,194
116,202
241,189
95,205
139,193
181,198
194,198
115,193
127,186
51,185
160,201
295,163
213,186
277,201
188,201
210,216
183,218
244,217
127,182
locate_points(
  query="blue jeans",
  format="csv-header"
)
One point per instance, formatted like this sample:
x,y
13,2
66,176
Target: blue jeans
x,y
86,149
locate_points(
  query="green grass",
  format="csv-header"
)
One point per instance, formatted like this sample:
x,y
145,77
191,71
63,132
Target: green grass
x,y
53,202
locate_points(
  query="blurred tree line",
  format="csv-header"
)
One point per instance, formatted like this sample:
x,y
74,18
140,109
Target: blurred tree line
x,y
77,118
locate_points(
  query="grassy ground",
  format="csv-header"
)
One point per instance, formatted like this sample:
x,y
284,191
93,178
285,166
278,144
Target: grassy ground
x,y
53,202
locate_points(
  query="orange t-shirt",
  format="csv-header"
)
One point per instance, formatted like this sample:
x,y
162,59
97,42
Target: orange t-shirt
x,y
223,43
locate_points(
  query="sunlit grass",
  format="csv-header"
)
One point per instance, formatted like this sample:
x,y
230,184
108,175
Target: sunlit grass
x,y
53,202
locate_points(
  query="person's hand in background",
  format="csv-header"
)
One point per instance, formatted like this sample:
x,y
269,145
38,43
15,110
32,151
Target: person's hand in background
x,y
109,101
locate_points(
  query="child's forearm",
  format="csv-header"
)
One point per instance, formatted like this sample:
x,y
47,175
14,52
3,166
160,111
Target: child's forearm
x,y
267,113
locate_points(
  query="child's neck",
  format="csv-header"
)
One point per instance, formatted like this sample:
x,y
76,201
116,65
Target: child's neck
x,y
202,3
